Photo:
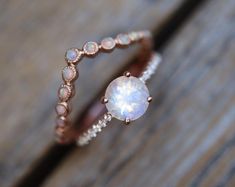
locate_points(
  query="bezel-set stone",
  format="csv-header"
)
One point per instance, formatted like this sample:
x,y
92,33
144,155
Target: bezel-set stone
x,y
127,98
69,73
62,109
108,43
91,48
73,55
123,39
64,92
134,36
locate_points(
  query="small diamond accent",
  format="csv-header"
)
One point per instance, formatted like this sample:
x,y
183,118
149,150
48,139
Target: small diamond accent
x,y
69,73
123,39
108,43
91,48
73,55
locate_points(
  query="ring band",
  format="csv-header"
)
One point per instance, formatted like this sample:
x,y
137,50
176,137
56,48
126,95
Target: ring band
x,y
70,73
97,127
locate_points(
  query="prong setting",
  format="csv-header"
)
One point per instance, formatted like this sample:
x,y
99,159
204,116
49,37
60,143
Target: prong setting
x,y
125,99
126,96
127,74
127,121
149,99
104,100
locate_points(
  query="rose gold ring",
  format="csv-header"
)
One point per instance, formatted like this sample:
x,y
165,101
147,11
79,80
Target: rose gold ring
x,y
65,131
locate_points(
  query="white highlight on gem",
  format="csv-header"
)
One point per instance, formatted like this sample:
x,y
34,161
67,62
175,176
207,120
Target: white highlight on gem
x,y
92,132
127,98
64,93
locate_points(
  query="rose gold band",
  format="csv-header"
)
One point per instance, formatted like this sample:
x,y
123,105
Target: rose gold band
x,y
65,131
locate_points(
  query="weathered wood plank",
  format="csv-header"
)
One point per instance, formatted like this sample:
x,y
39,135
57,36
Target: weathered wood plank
x,y
187,138
33,39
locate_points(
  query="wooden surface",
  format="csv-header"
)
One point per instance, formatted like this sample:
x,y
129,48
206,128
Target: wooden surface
x,y
34,37
186,138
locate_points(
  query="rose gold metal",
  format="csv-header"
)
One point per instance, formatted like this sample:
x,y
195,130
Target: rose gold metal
x,y
127,74
65,131
127,121
79,56
104,100
149,99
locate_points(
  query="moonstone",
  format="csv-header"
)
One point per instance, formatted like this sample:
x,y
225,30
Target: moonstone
x,y
91,48
127,98
71,55
108,43
123,39
69,73
61,109
64,93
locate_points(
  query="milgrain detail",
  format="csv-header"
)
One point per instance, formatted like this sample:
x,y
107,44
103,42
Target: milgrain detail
x,y
70,73
38,36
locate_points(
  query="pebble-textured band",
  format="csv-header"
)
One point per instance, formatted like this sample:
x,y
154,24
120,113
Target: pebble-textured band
x,y
70,73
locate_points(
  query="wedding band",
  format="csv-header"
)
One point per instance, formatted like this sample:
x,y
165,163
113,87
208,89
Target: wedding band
x,y
70,73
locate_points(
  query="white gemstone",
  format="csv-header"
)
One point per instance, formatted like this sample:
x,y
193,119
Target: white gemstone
x,y
72,55
123,39
127,98
91,48
108,43
69,73
61,109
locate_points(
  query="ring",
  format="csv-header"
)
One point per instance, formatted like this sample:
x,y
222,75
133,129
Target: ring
x,y
113,93
126,99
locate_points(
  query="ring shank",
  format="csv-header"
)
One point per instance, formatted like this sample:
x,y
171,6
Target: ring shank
x,y
66,132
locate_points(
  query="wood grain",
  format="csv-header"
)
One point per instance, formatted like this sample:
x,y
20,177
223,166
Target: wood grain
x,y
187,138
34,36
